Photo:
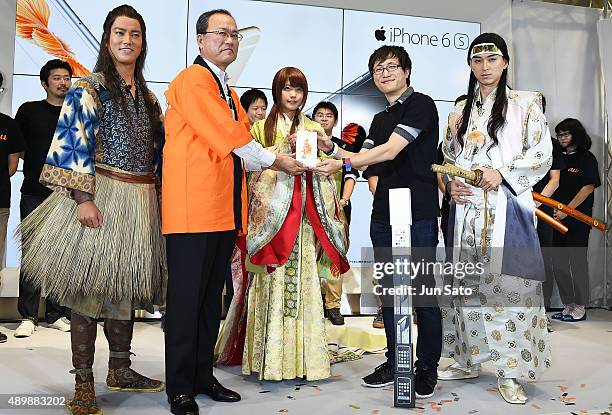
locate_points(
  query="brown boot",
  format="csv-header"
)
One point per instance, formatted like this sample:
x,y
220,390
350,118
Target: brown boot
x,y
120,376
84,400
82,339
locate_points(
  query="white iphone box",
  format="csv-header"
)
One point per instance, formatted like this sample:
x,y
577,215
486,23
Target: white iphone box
x,y
306,148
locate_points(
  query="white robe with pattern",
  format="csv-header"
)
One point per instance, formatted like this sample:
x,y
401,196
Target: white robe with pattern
x,y
504,321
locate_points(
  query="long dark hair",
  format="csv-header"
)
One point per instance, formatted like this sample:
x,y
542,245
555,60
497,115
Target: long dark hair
x,y
296,79
106,65
498,112
580,138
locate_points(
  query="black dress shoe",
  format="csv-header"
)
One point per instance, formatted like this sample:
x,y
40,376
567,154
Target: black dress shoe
x,y
183,405
218,393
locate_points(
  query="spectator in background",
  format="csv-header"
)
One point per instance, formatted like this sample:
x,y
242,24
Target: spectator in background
x,y
255,104
352,137
576,185
11,144
37,120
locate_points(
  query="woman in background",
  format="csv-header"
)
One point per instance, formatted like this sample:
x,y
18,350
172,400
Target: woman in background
x,y
576,185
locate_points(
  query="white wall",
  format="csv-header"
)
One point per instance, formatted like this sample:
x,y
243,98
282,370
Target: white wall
x,y
494,15
557,53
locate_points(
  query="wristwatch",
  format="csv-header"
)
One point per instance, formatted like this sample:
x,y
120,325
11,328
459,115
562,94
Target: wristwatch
x,y
344,202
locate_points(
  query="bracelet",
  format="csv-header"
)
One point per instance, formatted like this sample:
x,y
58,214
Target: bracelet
x,y
346,163
333,151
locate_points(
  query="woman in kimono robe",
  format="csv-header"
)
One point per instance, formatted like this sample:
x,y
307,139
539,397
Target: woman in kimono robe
x,y
294,222
95,245
504,134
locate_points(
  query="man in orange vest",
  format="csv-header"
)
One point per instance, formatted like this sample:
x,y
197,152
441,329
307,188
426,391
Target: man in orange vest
x,y
208,147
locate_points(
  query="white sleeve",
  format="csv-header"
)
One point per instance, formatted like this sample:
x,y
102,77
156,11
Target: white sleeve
x,y
533,163
255,157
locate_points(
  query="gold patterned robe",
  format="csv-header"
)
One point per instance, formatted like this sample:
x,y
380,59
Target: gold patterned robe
x,y
285,336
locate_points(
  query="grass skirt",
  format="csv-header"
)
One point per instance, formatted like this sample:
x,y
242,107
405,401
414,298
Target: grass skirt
x,y
124,259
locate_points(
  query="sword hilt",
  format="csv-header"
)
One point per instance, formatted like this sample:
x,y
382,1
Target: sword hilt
x,y
473,177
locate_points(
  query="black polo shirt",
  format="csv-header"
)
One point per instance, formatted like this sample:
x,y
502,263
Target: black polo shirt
x,y
411,168
37,120
11,142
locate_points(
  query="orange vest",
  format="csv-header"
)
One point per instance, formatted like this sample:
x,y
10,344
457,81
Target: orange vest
x,y
198,168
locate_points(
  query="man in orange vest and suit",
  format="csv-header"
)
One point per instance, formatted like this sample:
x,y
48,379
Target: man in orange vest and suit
x,y
208,148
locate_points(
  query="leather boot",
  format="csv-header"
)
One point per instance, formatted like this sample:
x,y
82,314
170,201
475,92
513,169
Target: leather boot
x,y
120,376
83,339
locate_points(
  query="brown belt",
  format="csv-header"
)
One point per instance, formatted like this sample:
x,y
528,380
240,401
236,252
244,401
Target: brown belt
x,y
148,178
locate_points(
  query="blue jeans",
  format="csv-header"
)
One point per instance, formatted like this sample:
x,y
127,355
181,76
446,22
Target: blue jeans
x,y
423,234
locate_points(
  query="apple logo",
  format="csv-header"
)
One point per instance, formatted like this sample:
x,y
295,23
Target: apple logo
x,y
380,34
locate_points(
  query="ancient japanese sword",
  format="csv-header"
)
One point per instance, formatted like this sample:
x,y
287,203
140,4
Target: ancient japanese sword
x,y
474,176
551,221
593,222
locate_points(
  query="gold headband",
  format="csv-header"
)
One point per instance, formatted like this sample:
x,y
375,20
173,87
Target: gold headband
x,y
485,48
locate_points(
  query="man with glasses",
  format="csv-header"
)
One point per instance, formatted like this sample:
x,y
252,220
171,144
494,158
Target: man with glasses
x,y
208,147
402,141
326,114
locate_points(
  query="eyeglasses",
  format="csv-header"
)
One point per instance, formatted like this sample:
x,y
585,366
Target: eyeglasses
x,y
392,67
225,34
